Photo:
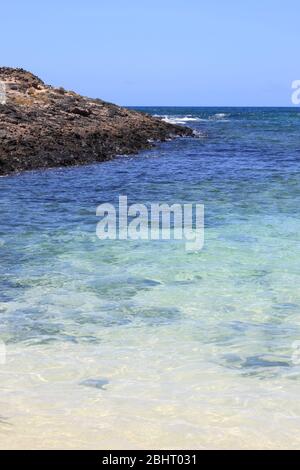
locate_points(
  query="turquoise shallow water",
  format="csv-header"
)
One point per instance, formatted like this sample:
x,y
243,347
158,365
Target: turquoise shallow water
x,y
141,343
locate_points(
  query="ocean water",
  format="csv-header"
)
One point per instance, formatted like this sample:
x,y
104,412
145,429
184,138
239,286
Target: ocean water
x,y
141,344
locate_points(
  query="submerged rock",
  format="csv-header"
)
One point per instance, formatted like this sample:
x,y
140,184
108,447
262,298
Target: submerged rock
x,y
95,383
42,126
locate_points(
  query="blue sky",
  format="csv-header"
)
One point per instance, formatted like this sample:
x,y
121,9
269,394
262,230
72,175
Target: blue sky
x,y
188,52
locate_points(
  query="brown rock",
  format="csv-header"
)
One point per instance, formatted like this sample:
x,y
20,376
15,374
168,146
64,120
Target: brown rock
x,y
42,126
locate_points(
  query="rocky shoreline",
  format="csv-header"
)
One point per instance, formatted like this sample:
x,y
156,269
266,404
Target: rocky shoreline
x,y
42,126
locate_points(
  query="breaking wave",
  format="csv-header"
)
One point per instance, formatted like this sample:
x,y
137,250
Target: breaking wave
x,y
180,119
190,119
219,116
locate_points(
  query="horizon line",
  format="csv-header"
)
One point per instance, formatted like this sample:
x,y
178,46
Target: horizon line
x,y
204,106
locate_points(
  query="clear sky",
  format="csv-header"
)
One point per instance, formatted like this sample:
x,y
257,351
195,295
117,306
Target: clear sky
x,y
167,52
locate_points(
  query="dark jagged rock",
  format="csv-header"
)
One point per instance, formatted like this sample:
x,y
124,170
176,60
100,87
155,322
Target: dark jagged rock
x,y
42,126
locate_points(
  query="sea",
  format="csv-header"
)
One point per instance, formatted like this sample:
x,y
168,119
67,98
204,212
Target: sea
x,y
128,344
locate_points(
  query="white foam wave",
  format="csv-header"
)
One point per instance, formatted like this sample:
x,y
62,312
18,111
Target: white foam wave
x,y
198,134
219,116
189,118
180,119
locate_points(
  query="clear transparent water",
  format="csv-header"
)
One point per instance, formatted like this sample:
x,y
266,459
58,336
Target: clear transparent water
x,y
142,344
